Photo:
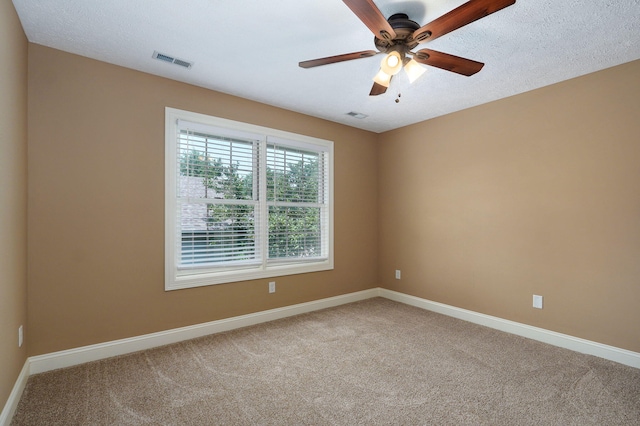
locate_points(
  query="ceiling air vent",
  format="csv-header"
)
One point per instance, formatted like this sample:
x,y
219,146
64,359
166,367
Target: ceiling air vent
x,y
172,60
357,115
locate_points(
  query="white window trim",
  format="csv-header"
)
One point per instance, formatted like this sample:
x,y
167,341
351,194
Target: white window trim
x,y
175,280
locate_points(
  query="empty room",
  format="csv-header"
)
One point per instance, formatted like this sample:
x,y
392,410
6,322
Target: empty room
x,y
324,212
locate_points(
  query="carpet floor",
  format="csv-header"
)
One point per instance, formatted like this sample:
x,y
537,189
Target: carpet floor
x,y
375,362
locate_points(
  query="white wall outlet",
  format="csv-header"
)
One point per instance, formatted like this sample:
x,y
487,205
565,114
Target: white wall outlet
x,y
537,301
397,274
272,287
20,336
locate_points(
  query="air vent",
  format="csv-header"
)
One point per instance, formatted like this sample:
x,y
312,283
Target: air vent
x,y
357,115
171,59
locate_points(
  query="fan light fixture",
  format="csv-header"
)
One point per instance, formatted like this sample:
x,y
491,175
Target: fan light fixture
x,y
392,64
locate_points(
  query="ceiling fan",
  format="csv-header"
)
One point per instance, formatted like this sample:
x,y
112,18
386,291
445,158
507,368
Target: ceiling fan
x,y
398,35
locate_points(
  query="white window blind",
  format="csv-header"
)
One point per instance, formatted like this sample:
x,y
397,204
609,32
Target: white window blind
x,y
244,202
297,203
217,196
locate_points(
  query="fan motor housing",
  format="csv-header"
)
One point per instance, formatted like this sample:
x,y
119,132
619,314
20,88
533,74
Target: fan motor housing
x,y
404,28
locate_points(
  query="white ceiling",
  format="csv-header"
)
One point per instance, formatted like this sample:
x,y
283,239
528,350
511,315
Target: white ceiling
x,y
251,49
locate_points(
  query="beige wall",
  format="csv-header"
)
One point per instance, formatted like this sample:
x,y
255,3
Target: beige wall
x,y
13,196
535,194
96,200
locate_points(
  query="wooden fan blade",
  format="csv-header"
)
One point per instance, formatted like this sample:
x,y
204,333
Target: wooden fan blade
x,y
459,17
377,89
448,62
370,15
338,58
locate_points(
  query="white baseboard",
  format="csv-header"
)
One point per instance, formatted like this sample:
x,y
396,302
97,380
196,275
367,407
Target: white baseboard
x,y
76,356
14,397
612,353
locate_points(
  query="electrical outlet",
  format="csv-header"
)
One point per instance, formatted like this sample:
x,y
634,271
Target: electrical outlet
x,y
397,274
537,301
272,287
20,336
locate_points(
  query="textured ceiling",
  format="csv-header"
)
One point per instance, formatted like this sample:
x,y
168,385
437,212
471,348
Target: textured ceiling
x,y
251,49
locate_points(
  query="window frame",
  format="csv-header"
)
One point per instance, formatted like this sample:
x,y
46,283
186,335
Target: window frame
x,y
180,278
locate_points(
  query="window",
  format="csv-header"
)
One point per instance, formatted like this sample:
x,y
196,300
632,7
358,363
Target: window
x,y
244,202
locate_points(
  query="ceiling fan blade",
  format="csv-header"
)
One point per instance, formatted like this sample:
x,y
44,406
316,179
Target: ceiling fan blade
x,y
377,89
459,17
370,15
448,62
338,58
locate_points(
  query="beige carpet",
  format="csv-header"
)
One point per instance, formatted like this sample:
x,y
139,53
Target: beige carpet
x,y
368,363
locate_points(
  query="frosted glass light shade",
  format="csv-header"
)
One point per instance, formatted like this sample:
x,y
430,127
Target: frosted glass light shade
x,y
382,78
392,63
414,70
